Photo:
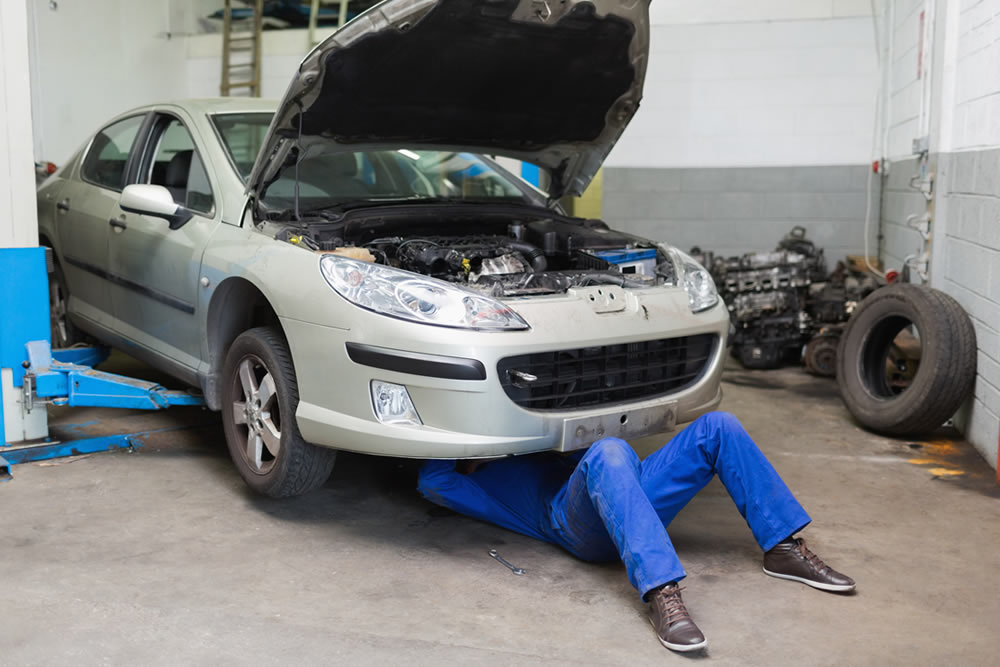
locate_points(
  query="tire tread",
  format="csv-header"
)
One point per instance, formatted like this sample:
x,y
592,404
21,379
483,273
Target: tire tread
x,y
308,466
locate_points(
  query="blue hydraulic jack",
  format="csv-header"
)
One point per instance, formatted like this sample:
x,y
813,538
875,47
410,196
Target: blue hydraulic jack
x,y
33,376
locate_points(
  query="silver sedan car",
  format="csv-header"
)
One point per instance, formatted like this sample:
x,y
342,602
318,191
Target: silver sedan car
x,y
346,269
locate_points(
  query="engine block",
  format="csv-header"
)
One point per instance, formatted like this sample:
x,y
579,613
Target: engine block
x,y
778,301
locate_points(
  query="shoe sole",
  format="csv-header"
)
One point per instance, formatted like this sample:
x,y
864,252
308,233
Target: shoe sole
x,y
680,648
833,588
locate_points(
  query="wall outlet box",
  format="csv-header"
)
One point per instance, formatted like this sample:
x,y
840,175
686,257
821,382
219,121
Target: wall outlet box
x,y
921,145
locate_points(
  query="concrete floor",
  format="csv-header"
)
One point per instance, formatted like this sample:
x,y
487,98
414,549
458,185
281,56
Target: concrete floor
x,y
163,557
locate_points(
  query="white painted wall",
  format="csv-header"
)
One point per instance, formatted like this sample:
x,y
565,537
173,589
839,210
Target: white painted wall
x,y
904,117
976,117
664,12
18,218
769,83
187,15
93,59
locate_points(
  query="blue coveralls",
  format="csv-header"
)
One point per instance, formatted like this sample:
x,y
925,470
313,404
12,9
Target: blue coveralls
x,y
604,503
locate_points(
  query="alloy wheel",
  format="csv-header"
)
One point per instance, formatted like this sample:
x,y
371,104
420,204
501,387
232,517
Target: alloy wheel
x,y
257,417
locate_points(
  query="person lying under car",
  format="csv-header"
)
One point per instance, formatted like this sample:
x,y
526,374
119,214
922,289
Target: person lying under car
x,y
603,504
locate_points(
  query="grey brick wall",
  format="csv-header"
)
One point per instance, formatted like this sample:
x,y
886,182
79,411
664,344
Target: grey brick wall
x,y
969,215
899,201
736,210
965,262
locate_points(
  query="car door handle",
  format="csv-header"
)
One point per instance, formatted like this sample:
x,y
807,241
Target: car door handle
x,y
118,223
63,206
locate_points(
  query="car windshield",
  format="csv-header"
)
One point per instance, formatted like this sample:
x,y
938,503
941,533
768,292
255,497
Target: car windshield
x,y
242,136
329,176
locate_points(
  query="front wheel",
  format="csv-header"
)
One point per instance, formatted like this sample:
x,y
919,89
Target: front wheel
x,y
260,395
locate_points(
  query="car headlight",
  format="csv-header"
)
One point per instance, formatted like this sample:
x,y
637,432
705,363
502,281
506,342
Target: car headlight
x,y
413,297
698,283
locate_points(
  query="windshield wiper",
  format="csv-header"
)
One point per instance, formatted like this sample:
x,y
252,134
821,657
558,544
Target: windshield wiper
x,y
334,208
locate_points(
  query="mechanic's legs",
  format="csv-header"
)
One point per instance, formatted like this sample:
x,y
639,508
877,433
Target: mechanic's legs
x,y
716,443
602,509
602,512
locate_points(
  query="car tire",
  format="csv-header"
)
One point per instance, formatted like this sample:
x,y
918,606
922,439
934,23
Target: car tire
x,y
260,395
945,374
62,332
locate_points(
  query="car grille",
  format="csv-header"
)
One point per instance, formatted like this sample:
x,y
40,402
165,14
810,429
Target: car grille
x,y
607,374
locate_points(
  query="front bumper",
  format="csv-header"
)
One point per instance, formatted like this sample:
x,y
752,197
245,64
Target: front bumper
x,y
469,418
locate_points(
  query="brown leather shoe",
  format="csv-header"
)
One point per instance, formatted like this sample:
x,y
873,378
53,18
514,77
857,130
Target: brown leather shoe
x,y
672,622
792,560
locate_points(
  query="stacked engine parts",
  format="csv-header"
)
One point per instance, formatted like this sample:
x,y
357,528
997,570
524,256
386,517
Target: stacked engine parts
x,y
904,355
785,305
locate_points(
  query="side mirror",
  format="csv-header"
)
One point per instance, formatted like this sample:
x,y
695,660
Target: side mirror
x,y
155,201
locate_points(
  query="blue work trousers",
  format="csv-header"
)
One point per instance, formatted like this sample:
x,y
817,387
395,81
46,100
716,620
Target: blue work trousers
x,y
607,504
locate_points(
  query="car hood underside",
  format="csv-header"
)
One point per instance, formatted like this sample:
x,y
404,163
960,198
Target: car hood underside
x,y
554,83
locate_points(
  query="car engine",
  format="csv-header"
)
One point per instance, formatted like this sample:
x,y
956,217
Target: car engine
x,y
784,304
505,257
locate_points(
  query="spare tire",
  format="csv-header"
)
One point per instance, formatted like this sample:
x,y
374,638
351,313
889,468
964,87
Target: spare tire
x,y
906,401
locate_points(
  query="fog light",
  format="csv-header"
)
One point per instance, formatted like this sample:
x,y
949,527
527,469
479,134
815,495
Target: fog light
x,y
392,404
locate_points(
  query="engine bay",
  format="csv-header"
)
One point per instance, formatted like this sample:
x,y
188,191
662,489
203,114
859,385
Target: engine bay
x,y
505,256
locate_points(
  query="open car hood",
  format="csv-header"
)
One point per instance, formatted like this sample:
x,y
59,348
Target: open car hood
x,y
551,82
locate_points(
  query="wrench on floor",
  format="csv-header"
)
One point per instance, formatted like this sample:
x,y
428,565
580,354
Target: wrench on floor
x,y
499,558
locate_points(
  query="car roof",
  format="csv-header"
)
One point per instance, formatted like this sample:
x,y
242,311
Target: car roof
x,y
210,105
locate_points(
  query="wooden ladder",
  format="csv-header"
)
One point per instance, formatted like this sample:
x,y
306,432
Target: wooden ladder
x,y
314,13
241,74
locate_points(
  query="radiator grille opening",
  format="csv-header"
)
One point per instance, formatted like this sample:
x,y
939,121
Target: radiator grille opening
x,y
606,374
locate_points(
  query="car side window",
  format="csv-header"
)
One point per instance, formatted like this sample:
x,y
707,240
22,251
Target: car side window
x,y
108,153
178,167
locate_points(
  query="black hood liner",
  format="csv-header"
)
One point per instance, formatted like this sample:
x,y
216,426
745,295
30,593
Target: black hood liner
x,y
465,74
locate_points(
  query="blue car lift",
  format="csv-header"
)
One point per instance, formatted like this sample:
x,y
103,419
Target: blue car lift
x,y
33,376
